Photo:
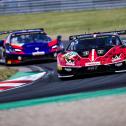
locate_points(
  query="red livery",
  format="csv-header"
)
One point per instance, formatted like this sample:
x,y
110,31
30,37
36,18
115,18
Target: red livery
x,y
90,53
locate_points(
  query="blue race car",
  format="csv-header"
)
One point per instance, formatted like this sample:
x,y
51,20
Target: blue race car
x,y
28,45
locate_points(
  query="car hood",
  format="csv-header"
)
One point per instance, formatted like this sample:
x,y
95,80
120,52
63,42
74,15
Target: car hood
x,y
34,47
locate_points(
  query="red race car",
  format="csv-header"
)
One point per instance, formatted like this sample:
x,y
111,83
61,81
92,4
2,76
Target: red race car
x,y
93,53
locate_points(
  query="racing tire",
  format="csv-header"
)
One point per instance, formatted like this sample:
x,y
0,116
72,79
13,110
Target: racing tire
x,y
6,60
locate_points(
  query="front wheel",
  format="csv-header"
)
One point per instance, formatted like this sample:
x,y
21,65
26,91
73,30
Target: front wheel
x,y
3,58
7,62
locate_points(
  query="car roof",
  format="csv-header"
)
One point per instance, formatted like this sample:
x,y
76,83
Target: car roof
x,y
117,33
91,35
25,31
22,31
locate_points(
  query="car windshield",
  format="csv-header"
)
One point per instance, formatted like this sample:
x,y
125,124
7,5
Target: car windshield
x,y
30,38
94,42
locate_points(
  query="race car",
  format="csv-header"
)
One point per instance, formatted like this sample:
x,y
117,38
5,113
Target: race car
x,y
93,53
27,45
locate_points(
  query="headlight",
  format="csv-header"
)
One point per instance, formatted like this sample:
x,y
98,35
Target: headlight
x,y
59,67
85,53
17,50
14,50
19,58
100,52
55,46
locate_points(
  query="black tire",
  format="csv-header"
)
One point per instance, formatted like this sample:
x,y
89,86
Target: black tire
x,y
6,63
6,60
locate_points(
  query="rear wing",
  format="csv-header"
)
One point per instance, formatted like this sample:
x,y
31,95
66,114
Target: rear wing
x,y
120,32
24,30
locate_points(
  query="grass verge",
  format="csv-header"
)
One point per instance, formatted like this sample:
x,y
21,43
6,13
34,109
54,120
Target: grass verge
x,y
66,23
5,73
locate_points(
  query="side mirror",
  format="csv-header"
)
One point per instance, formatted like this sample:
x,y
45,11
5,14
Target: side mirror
x,y
59,37
123,43
7,44
1,42
123,46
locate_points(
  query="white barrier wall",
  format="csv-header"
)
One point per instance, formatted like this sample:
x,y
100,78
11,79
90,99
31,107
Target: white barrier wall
x,y
29,6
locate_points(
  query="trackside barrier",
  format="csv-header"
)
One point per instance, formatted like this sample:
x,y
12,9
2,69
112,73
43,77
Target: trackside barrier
x,y
29,6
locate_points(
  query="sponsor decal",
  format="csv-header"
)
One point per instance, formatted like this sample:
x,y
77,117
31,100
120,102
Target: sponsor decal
x,y
92,67
68,57
118,64
38,53
116,58
92,63
68,69
70,63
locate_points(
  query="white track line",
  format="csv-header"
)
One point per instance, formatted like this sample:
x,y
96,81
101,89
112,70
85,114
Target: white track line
x,y
39,68
11,84
30,77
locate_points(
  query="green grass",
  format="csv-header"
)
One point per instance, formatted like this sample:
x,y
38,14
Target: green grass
x,y
6,72
66,23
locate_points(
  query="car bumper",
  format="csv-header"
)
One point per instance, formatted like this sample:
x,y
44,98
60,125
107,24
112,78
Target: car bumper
x,y
14,58
70,71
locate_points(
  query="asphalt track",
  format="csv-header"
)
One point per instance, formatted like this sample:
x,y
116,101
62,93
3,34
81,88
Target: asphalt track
x,y
50,85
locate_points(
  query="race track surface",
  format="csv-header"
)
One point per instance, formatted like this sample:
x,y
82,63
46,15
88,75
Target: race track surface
x,y
50,85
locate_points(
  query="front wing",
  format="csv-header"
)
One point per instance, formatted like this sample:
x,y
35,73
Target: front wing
x,y
19,58
76,71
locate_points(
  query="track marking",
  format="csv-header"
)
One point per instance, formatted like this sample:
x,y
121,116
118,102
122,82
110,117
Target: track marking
x,y
120,71
37,67
20,81
63,98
